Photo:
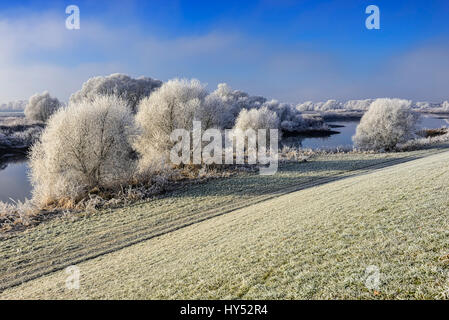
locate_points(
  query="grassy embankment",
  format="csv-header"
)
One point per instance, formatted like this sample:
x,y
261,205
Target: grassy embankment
x,y
313,243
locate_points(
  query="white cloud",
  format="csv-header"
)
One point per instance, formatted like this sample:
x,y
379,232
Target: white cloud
x,y
37,53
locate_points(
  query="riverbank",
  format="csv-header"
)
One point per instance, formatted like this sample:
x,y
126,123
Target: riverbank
x,y
73,237
17,134
291,236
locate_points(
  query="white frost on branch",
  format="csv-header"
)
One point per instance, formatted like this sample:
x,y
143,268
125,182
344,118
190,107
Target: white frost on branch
x,y
41,106
86,145
387,123
175,105
290,119
129,89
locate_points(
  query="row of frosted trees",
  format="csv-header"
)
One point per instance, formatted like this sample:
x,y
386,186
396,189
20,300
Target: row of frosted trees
x,y
116,129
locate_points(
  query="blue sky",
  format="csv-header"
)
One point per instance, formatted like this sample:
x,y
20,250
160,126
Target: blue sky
x,y
289,50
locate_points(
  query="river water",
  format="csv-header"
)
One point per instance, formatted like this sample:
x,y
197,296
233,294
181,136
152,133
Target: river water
x,y
347,129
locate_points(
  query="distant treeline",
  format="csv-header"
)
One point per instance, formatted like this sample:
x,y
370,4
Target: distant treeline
x,y
13,106
363,105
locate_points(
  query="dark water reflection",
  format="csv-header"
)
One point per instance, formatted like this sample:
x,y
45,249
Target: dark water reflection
x,y
346,130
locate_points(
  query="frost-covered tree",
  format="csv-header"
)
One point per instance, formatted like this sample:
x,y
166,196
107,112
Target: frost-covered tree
x,y
421,105
358,104
175,105
86,145
256,119
445,106
386,123
41,106
320,106
234,101
130,89
291,119
333,105
306,106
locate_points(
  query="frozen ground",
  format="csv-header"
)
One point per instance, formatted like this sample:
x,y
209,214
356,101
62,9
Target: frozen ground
x,y
255,237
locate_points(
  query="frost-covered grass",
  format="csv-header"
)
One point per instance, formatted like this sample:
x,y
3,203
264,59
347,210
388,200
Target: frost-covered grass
x,y
20,216
75,236
424,143
17,214
315,243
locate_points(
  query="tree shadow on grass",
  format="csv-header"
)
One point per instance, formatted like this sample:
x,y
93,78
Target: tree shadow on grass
x,y
288,175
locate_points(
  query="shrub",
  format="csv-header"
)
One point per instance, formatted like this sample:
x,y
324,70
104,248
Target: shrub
x,y
291,119
85,145
41,106
173,106
387,123
123,86
256,119
234,101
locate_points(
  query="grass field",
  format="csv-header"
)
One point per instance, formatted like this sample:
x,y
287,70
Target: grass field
x,y
312,243
61,242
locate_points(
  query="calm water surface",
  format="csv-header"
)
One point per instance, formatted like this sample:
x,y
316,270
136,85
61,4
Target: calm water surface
x,y
344,137
14,182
